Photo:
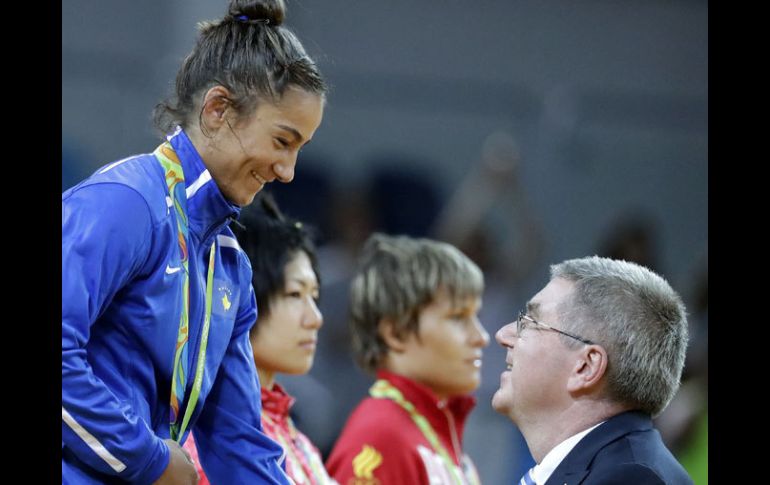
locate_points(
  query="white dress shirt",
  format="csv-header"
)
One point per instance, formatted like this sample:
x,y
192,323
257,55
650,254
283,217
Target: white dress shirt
x,y
543,470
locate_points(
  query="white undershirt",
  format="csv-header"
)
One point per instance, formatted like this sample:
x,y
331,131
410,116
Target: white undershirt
x,y
542,472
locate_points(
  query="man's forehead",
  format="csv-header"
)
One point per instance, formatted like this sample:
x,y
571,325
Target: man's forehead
x,y
552,295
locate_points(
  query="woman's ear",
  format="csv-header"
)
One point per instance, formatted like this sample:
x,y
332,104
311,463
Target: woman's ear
x,y
387,330
216,102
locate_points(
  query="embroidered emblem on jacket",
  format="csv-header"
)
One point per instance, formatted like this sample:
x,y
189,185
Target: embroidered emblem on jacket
x,y
364,465
226,295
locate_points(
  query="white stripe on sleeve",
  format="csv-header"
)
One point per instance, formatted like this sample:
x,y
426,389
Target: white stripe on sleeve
x,y
115,164
92,442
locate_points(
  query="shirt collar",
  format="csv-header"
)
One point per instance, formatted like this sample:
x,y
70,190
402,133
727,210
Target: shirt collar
x,y
428,404
542,472
276,401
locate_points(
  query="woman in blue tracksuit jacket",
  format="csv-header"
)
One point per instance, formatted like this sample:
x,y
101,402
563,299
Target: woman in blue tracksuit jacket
x,y
157,300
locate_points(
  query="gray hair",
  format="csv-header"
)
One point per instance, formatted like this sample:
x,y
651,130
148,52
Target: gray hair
x,y
639,320
396,277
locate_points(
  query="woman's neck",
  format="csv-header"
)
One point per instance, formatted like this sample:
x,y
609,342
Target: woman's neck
x,y
395,366
266,378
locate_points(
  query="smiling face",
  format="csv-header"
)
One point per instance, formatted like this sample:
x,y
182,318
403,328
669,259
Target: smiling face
x,y
446,356
284,341
538,363
245,155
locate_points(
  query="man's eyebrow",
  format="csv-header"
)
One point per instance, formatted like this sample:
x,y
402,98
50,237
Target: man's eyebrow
x,y
532,308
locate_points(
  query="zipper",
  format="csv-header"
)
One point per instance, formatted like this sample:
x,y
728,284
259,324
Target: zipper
x,y
195,338
452,432
215,228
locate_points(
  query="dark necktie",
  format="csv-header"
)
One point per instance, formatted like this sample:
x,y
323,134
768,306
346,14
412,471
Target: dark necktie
x,y
527,478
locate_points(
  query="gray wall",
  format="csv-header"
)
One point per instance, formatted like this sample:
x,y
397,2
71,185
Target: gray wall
x,y
607,100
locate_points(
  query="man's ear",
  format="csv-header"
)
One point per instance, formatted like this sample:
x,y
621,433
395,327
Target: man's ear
x,y
589,369
393,339
216,102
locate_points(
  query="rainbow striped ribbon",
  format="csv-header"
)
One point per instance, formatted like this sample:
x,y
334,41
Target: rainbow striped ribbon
x,y
176,188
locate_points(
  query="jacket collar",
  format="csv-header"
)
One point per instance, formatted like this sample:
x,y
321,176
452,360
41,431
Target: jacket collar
x,y
429,405
277,402
206,206
576,464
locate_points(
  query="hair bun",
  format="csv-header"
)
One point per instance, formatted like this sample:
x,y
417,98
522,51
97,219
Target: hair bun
x,y
271,12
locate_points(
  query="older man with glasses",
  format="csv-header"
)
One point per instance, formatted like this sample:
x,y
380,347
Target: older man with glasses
x,y
597,354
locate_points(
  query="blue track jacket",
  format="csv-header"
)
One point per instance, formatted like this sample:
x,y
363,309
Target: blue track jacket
x,y
121,303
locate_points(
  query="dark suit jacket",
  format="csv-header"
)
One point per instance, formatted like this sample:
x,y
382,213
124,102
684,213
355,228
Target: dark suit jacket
x,y
624,450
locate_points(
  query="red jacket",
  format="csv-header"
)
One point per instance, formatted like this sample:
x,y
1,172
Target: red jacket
x,y
381,444
303,461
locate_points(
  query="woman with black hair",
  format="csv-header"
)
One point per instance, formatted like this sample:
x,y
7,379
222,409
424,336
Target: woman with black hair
x,y
284,337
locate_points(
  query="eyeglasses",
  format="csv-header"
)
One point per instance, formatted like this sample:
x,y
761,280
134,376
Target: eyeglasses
x,y
523,320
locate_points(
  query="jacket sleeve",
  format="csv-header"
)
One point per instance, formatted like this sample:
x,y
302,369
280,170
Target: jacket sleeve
x,y
105,239
232,446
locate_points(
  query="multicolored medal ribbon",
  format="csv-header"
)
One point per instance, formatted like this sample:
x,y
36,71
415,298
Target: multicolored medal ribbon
x,y
177,191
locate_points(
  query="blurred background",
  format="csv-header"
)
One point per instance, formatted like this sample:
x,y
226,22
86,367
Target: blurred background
x,y
524,132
